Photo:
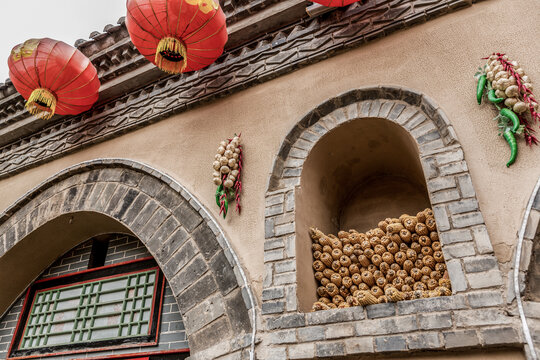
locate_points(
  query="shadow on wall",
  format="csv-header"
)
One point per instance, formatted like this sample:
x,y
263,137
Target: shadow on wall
x,y
357,175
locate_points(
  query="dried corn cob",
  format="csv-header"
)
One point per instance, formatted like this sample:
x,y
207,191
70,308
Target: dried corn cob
x,y
318,265
405,235
431,224
400,257
363,260
393,248
421,229
324,281
354,269
416,274
382,225
376,259
381,282
382,299
345,260
387,257
338,299
317,306
321,291
319,275
421,217
336,279
438,256
369,253
419,286
366,298
367,277
336,265
395,266
377,291
394,295
328,273
408,265
394,228
429,261
344,271
411,255
379,249
410,223
398,283
331,289
384,267
316,247
325,300
424,240
356,278
435,275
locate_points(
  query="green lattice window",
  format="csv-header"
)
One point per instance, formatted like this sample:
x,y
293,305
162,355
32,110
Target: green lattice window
x,y
90,310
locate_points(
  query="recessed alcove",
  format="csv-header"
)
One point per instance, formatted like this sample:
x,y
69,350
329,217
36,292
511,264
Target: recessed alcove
x,y
358,174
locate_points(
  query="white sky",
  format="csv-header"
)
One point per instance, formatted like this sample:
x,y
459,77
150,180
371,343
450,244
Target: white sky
x,y
65,20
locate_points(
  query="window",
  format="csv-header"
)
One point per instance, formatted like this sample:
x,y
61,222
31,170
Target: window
x,y
107,307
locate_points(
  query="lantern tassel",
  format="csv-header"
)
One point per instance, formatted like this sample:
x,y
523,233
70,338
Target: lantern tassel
x,y
171,55
41,103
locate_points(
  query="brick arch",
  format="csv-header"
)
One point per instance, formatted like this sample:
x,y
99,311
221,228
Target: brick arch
x,y
472,266
186,242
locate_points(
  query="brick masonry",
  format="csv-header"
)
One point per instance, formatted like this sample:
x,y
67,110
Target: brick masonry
x,y
121,249
473,317
186,243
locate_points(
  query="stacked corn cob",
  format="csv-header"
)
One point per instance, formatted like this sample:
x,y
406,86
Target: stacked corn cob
x,y
401,259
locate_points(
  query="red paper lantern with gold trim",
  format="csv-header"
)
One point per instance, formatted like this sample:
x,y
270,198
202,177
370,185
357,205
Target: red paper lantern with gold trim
x,y
177,35
54,77
335,3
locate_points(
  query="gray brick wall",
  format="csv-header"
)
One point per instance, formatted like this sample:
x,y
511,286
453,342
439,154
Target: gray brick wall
x,y
122,248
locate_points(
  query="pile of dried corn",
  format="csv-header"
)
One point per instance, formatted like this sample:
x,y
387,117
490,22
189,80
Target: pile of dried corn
x,y
401,259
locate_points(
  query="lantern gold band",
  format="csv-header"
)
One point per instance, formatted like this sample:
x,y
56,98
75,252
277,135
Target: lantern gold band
x,y
173,45
41,103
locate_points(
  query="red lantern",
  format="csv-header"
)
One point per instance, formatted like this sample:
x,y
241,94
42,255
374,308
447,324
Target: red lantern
x,y
335,3
53,77
177,35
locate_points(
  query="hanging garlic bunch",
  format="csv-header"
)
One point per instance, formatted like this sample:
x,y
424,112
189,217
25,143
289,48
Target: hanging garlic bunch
x,y
506,84
227,170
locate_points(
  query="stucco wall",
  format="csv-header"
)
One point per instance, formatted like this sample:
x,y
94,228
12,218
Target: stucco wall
x,y
437,59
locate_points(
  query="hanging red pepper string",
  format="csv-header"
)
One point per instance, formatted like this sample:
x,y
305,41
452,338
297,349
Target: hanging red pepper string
x,y
238,185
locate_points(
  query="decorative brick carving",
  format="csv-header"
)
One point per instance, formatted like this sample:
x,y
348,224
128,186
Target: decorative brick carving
x,y
182,238
426,324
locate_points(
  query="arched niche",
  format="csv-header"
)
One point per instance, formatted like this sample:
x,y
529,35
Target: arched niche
x,y
357,174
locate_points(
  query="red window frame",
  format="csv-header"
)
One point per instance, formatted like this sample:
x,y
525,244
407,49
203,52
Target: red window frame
x,y
99,273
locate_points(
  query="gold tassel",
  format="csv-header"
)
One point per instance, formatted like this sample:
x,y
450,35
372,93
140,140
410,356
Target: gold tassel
x,y
41,103
171,55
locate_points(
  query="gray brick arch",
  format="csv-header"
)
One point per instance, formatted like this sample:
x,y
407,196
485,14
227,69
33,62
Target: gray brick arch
x,y
461,320
185,241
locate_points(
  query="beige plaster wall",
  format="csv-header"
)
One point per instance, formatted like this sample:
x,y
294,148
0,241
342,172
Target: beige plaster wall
x,y
438,58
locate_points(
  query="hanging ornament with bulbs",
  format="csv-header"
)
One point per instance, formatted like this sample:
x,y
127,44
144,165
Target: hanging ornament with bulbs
x,y
227,174
509,89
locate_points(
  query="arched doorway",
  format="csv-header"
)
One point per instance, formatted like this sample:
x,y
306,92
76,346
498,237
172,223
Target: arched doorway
x,y
106,196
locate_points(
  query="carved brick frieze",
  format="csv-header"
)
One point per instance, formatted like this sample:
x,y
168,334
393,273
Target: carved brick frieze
x,y
261,60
